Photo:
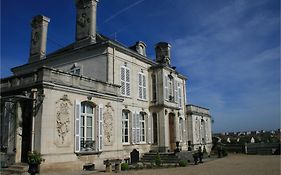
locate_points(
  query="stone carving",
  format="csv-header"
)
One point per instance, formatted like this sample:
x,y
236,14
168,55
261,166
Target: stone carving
x,y
63,117
108,124
83,20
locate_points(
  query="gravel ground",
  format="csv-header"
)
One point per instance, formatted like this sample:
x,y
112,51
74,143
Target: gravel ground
x,y
231,165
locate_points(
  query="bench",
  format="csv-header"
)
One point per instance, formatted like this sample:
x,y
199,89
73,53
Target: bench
x,y
108,163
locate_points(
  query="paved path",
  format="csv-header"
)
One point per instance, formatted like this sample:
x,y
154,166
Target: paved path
x,y
231,165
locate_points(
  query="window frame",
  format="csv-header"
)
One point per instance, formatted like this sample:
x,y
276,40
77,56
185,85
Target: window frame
x,y
83,138
128,128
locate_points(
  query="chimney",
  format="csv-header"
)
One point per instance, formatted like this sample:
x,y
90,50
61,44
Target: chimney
x,y
39,26
86,20
163,53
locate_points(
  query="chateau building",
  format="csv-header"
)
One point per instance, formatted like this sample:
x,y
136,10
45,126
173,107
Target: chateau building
x,y
96,99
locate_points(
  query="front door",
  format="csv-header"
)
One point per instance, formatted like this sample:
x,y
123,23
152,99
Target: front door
x,y
172,132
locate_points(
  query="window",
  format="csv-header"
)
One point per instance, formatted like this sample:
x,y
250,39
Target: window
x,y
75,69
125,81
142,127
88,126
125,126
169,88
142,86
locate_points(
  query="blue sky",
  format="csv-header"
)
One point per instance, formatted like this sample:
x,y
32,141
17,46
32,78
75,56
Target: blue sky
x,y
229,49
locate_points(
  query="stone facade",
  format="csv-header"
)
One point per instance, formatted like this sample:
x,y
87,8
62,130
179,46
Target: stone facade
x,y
94,100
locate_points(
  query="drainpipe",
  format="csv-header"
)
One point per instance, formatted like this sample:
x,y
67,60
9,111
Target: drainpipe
x,y
34,94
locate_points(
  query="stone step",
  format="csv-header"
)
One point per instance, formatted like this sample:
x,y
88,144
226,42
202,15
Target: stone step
x,y
18,169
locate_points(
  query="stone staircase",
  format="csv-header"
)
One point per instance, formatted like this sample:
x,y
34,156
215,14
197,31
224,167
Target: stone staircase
x,y
16,169
166,158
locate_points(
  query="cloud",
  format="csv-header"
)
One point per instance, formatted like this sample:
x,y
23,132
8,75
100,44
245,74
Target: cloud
x,y
122,11
233,63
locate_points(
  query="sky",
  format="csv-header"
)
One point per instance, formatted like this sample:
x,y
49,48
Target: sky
x,y
228,49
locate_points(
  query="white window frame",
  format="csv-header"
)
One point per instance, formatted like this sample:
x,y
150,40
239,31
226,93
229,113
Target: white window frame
x,y
85,126
125,83
74,70
142,86
125,120
142,127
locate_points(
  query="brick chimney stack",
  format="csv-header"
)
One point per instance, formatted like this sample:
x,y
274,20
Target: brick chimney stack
x,y
86,20
39,26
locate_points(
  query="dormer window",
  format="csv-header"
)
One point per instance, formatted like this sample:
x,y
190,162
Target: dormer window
x,y
140,47
76,70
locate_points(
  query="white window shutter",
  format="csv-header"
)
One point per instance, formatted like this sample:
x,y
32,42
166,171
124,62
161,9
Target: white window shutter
x,y
176,91
100,127
128,88
140,86
149,129
122,77
184,130
77,125
166,87
134,128
144,87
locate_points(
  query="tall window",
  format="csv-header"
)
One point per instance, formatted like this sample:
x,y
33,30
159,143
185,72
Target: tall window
x,y
169,88
155,129
142,127
87,126
181,129
142,86
125,126
125,81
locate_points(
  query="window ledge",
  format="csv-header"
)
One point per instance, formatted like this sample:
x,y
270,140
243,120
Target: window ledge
x,y
144,100
88,152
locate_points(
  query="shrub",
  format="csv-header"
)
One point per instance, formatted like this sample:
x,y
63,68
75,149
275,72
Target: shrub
x,y
182,163
157,159
34,158
124,166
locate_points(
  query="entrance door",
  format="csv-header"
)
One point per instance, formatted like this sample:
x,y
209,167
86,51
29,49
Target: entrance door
x,y
172,131
26,129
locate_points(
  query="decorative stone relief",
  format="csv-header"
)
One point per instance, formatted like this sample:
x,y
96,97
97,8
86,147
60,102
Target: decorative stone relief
x,y
63,113
108,124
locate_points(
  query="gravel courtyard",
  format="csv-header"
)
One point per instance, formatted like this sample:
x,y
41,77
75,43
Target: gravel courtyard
x,y
231,165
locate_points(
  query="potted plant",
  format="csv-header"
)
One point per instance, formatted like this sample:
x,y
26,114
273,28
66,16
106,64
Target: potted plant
x,y
34,159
